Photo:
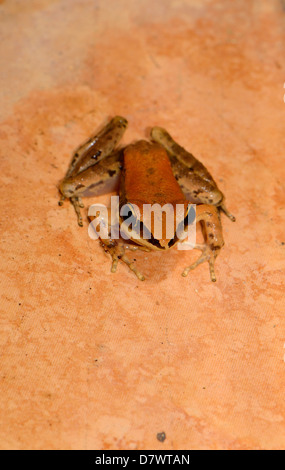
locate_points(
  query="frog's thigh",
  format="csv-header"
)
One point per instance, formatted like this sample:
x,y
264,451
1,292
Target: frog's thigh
x,y
192,171
98,179
210,218
197,190
98,147
90,182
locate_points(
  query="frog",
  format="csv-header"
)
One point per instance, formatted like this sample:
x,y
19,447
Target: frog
x,y
146,172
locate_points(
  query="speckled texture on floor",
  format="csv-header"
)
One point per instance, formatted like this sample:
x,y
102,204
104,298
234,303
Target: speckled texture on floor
x,y
91,359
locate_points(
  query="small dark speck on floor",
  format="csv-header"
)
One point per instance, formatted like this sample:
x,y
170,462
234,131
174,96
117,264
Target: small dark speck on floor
x,y
161,436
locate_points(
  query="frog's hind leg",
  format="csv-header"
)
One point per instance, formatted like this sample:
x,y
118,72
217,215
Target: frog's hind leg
x,y
210,218
206,255
98,179
193,177
98,148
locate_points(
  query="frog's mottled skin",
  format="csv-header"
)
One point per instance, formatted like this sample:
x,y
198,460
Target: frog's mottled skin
x,y
159,171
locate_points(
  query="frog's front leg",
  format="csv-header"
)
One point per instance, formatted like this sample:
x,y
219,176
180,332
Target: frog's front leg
x,y
195,180
116,248
210,218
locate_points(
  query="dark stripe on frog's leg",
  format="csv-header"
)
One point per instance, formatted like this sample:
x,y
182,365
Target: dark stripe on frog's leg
x,y
201,187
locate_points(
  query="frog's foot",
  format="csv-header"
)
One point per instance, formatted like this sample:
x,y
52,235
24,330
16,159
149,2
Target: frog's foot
x,y
225,210
77,204
207,255
210,218
117,252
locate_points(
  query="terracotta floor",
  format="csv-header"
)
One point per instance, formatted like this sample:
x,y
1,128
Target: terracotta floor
x,y
91,359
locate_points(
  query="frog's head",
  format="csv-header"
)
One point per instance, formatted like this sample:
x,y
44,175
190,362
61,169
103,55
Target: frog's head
x,y
154,226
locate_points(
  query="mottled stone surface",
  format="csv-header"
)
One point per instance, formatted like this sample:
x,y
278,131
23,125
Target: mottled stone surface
x,y
91,359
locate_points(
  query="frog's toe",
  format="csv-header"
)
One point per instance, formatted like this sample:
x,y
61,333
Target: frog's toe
x,y
81,205
62,199
225,210
132,267
114,265
76,204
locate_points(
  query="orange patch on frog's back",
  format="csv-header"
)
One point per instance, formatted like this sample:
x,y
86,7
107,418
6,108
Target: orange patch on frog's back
x,y
148,175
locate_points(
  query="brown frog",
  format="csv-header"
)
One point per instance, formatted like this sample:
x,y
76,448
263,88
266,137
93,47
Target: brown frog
x,y
152,172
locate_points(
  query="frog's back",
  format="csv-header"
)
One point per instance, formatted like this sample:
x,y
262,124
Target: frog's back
x,y
148,175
